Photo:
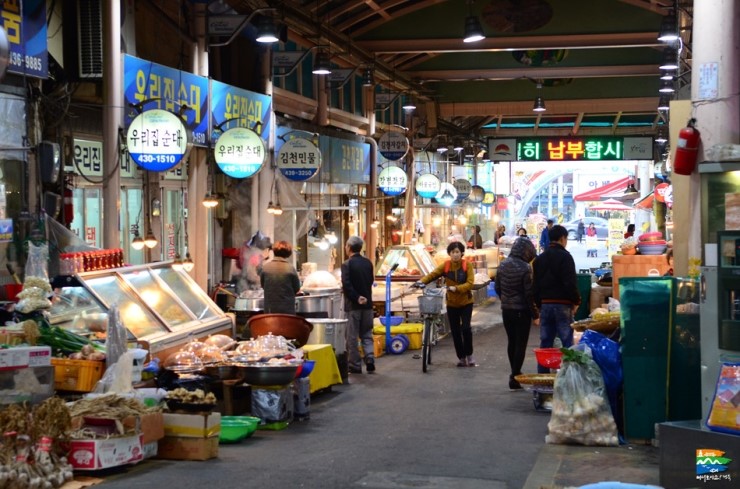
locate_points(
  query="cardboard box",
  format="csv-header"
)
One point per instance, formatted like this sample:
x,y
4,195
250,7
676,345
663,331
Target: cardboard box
x,y
192,425
25,356
183,448
150,449
76,375
149,425
105,453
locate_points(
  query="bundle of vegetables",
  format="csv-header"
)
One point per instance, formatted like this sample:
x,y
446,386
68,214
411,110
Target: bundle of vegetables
x,y
580,409
30,453
110,406
69,344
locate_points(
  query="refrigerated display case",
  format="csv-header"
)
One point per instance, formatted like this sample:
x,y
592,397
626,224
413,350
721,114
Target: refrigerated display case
x,y
158,305
414,261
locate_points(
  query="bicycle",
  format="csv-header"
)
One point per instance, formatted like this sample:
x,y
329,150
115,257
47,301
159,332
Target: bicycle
x,y
430,307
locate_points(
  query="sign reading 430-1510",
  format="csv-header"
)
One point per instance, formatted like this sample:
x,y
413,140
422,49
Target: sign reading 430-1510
x,y
157,140
240,152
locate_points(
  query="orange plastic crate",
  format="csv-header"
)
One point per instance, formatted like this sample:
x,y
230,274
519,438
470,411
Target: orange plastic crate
x,y
76,375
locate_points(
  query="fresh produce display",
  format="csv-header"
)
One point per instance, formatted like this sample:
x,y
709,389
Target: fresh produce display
x,y
580,409
30,453
68,343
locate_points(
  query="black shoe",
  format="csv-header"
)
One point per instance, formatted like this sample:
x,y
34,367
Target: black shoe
x,y
355,370
370,367
514,384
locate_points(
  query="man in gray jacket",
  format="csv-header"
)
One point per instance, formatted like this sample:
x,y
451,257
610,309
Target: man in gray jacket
x,y
514,287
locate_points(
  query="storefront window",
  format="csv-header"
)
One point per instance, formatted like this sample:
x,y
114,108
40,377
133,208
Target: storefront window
x,y
87,221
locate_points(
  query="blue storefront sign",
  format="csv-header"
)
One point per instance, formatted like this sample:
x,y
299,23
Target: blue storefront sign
x,y
344,161
153,86
236,107
26,37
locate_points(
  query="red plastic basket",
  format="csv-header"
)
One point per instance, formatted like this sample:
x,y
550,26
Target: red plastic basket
x,y
548,357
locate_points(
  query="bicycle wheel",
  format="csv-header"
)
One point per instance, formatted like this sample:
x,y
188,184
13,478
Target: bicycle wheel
x,y
426,344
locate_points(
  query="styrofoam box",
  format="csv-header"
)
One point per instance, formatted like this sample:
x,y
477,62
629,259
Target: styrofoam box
x,y
25,356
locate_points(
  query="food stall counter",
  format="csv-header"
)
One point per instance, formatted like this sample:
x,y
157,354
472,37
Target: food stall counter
x,y
414,261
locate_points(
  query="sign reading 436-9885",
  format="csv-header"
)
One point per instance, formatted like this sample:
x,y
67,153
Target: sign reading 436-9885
x,y
157,140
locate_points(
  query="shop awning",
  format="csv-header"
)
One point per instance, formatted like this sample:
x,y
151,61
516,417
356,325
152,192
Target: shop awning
x,y
645,203
601,192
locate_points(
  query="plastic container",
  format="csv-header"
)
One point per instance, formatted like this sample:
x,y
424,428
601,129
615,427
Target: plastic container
x,y
235,428
395,320
548,357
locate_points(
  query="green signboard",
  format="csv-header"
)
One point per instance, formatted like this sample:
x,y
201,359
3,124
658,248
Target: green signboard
x,y
588,148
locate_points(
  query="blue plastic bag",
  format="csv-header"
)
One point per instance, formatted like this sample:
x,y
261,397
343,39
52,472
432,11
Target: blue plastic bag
x,y
606,355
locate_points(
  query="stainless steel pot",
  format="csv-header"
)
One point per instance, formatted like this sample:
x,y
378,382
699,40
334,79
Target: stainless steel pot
x,y
329,331
328,303
249,304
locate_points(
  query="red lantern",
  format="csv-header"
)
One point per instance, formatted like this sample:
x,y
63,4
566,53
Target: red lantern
x,y
687,152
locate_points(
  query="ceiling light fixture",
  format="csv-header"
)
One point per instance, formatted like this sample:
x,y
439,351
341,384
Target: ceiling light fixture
x,y
630,191
321,64
664,103
150,240
177,265
667,87
473,29
660,138
266,31
539,102
670,61
368,78
668,28
188,264
138,242
408,103
666,75
210,201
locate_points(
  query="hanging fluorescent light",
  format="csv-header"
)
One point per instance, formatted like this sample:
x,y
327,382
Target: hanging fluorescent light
x,y
138,242
458,146
670,60
666,75
667,87
668,29
210,201
473,29
150,240
266,31
321,64
187,263
664,103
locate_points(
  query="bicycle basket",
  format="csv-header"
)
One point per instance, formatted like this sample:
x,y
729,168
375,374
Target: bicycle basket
x,y
430,304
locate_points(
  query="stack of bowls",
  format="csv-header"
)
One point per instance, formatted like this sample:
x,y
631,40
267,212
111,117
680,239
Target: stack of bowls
x,y
652,247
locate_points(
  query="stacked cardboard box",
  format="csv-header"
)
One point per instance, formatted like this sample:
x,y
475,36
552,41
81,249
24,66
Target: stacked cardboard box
x,y
190,436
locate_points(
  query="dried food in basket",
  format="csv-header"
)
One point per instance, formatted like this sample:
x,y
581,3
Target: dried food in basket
x,y
536,379
605,323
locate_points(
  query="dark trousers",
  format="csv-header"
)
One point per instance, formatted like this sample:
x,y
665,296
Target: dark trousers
x,y
517,325
462,334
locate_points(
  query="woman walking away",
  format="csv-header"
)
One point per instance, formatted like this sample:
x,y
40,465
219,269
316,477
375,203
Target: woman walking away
x,y
514,287
458,276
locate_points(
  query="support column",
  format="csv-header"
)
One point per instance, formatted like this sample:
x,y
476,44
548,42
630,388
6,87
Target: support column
x,y
266,176
112,117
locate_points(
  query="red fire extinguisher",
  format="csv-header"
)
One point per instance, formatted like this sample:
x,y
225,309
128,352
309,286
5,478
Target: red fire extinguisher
x,y
687,151
69,210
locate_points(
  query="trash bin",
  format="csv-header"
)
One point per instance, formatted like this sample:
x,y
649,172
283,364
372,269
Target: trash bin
x,y
584,288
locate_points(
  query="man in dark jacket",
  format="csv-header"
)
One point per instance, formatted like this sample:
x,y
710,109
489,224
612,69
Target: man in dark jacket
x,y
545,236
556,291
357,282
514,287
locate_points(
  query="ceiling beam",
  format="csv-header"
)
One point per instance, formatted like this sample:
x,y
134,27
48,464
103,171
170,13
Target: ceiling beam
x,y
509,43
366,27
657,6
536,73
645,105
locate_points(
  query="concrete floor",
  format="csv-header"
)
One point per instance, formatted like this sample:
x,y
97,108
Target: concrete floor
x,y
399,428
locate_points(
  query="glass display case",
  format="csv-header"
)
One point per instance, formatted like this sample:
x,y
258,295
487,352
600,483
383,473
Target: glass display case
x,y
414,261
728,243
157,304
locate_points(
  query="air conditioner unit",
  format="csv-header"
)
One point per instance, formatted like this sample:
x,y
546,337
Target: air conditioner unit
x,y
90,38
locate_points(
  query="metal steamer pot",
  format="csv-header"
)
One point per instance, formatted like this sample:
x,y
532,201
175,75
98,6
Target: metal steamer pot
x,y
329,331
331,304
249,304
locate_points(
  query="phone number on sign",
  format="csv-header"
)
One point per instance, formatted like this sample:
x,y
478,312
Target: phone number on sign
x,y
32,62
157,158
